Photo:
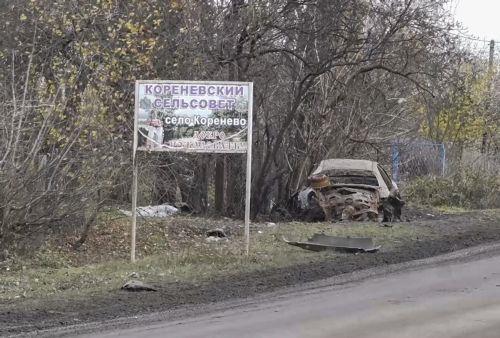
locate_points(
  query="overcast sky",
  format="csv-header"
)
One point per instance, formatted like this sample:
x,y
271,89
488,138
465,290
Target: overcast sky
x,y
481,17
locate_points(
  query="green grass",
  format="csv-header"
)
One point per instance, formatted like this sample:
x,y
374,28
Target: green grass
x,y
451,209
175,251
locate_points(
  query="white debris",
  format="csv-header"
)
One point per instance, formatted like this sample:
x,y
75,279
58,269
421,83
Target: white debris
x,y
216,233
162,210
214,239
303,198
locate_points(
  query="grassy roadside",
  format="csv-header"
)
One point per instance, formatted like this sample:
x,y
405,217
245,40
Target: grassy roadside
x,y
175,250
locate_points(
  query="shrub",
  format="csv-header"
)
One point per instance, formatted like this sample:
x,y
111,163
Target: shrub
x,y
467,188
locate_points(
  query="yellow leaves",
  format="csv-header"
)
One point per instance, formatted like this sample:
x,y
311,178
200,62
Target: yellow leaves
x,y
176,5
130,26
461,125
23,17
113,45
464,119
58,32
120,51
56,136
114,76
151,43
157,22
134,28
144,60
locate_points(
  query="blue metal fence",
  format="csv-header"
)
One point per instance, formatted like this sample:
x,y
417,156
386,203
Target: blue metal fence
x,y
417,158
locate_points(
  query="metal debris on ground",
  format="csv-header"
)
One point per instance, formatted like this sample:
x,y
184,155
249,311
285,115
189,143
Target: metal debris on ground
x,y
183,207
216,235
213,239
136,285
320,242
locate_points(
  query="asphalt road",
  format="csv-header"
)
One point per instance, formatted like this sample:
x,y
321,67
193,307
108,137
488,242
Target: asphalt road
x,y
452,300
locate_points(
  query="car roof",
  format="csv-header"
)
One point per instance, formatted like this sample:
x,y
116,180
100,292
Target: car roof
x,y
343,163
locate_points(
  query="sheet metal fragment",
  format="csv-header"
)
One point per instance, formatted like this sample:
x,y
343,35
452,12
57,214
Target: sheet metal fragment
x,y
320,242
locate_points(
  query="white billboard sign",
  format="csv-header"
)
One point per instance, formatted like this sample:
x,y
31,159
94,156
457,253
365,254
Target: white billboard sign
x,y
192,116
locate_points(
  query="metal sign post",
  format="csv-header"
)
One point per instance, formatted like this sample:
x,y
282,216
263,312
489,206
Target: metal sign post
x,y
193,117
134,179
248,182
134,209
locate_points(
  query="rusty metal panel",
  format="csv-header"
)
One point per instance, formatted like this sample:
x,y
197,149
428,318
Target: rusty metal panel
x,y
320,242
348,203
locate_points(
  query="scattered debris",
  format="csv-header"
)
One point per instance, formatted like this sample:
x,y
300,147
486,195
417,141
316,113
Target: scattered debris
x,y
134,275
320,242
159,211
136,285
271,224
212,239
279,213
216,233
183,207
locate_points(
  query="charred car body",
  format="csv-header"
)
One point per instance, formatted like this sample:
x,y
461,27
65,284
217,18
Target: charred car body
x,y
345,189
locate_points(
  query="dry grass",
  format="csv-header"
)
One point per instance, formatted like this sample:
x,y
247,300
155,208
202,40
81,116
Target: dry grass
x,y
173,250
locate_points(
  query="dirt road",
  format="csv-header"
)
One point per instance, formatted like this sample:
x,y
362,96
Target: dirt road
x,y
451,300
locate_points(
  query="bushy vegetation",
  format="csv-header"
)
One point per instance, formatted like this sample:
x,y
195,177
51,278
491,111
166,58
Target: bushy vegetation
x,y
466,188
332,79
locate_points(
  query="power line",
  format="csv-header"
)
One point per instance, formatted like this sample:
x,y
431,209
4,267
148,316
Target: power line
x,y
472,38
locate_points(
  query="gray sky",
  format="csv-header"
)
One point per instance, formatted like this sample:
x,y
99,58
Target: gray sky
x,y
480,17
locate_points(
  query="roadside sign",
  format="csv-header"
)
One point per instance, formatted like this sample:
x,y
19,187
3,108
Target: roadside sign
x,y
193,117
206,117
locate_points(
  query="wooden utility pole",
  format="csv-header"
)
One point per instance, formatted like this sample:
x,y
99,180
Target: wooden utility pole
x,y
492,53
484,143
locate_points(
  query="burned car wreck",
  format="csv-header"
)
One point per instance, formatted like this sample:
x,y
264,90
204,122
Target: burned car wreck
x,y
345,189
